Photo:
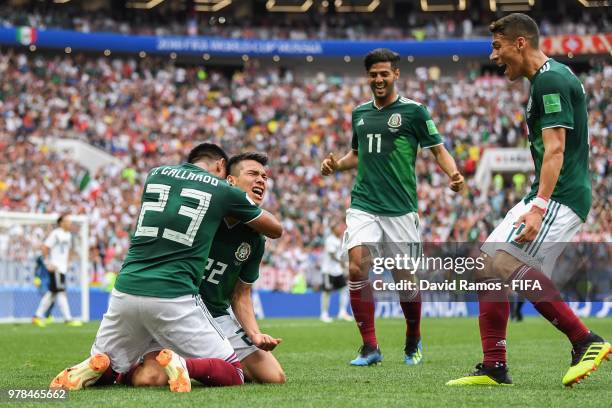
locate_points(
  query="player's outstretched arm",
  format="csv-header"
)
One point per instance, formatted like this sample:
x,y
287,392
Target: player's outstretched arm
x,y
448,165
267,224
554,149
242,305
330,165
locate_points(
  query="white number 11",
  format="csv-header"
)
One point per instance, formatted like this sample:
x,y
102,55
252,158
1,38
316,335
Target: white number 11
x,y
371,137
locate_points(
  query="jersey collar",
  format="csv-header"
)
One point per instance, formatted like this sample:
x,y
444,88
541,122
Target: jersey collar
x,y
539,70
391,104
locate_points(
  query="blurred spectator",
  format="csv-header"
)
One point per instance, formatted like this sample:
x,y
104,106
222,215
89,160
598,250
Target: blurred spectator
x,y
293,26
148,111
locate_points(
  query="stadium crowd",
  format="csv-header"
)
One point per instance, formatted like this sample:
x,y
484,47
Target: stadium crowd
x,y
293,26
147,112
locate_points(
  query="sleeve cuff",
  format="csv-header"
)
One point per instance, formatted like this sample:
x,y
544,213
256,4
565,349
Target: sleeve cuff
x,y
256,217
556,126
433,145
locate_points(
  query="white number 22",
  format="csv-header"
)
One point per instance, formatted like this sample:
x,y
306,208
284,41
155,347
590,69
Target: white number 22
x,y
196,214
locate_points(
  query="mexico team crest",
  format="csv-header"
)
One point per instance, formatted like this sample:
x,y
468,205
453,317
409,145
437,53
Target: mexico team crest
x,y
243,252
395,121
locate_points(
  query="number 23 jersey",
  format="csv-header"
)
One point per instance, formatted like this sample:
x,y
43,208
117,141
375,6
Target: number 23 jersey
x,y
182,207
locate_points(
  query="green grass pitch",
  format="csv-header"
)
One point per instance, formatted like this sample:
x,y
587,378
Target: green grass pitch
x,y
315,357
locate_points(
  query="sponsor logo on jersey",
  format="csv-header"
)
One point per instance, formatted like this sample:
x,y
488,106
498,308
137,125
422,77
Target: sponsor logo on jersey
x,y
361,122
243,252
395,121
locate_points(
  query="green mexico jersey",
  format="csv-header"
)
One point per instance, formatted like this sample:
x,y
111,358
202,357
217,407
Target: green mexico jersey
x,y
235,254
557,99
387,141
182,207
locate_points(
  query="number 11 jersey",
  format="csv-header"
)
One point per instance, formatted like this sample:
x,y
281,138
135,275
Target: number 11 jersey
x,y
182,207
386,141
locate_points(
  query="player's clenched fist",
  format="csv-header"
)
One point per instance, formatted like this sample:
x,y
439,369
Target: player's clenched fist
x,y
329,165
457,182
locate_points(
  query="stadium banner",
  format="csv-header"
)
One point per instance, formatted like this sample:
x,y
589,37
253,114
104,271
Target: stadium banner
x,y
577,44
270,304
78,41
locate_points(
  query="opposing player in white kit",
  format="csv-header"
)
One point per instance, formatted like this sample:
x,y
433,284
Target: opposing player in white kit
x,y
333,275
56,255
155,301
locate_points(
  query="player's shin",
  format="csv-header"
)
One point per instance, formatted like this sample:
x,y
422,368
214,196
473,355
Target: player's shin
x,y
548,302
215,372
362,303
493,321
411,307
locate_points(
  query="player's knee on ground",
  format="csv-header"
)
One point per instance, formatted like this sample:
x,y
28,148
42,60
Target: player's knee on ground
x,y
504,265
149,376
267,377
150,373
262,367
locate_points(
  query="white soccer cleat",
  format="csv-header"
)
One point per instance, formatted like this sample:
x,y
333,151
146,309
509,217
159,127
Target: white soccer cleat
x,y
81,375
325,318
345,316
176,370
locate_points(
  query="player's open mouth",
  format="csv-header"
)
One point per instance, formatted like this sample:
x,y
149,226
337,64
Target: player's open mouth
x,y
258,192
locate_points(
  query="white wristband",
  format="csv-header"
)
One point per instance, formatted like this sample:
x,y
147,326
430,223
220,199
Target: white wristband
x,y
540,203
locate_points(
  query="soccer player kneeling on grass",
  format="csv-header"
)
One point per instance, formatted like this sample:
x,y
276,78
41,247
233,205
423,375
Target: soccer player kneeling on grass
x,y
525,246
231,270
155,303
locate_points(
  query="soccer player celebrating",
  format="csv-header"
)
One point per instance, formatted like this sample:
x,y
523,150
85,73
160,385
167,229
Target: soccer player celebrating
x,y
231,270
524,247
155,300
56,253
387,133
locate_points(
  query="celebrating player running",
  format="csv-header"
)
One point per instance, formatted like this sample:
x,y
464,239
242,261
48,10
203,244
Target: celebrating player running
x,y
387,134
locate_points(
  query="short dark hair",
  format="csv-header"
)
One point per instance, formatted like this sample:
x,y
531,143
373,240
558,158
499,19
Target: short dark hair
x,y
517,25
61,218
381,55
234,161
206,151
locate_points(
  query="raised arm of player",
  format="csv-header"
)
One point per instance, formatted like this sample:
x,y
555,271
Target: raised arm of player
x,y
242,305
448,165
552,162
238,205
330,165
267,224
